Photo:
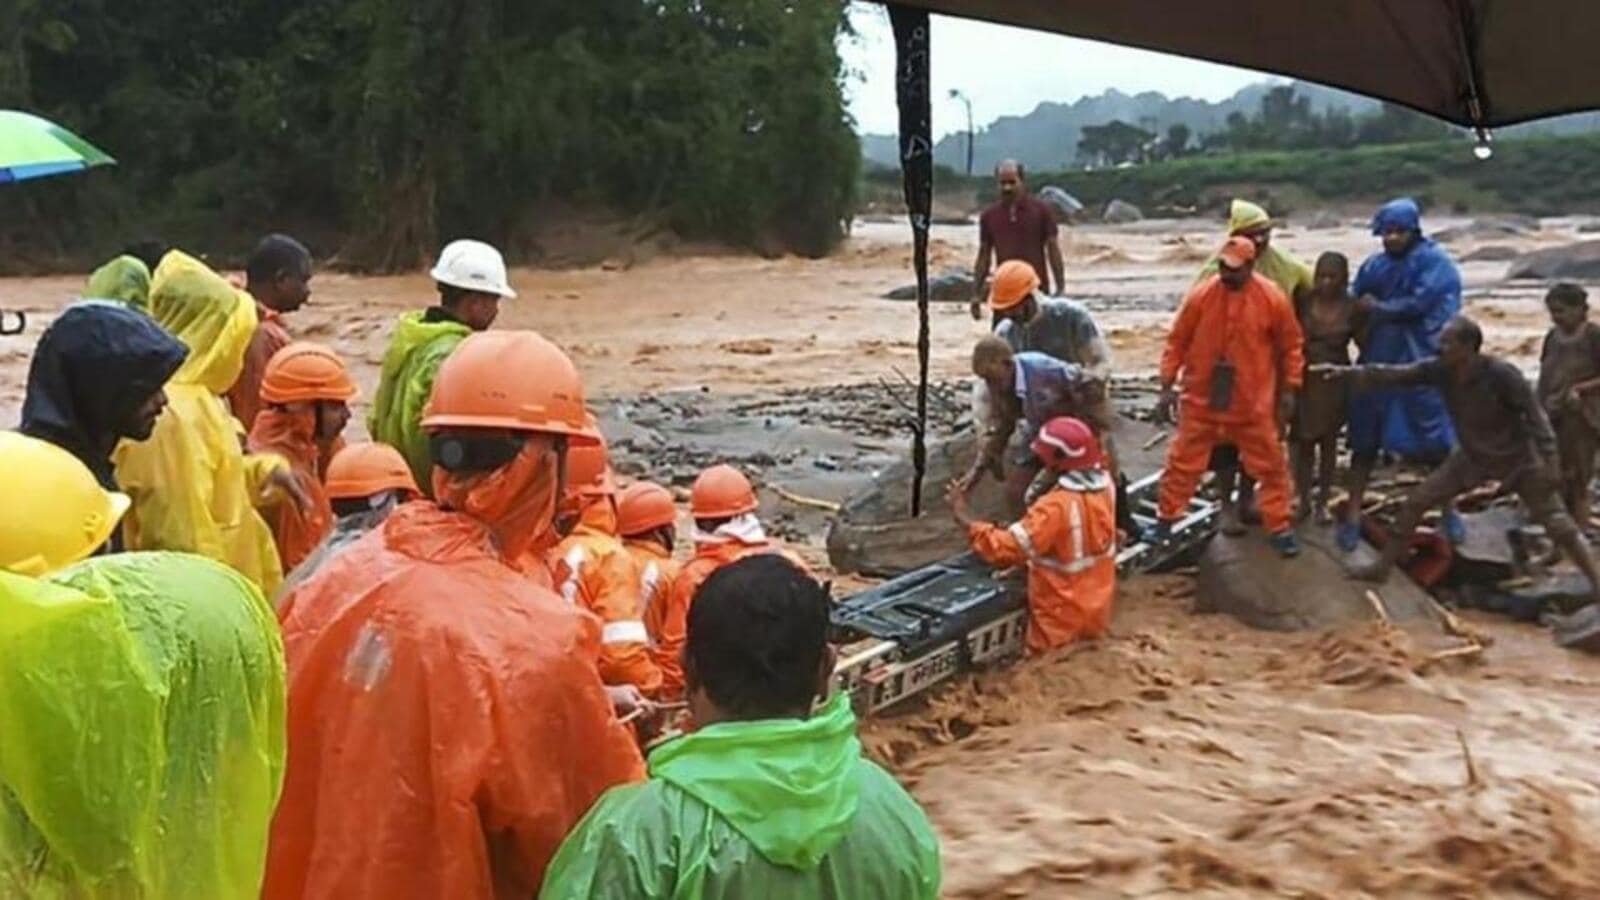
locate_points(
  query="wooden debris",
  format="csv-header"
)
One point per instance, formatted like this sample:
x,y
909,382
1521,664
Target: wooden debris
x,y
1155,439
801,500
1474,777
1377,606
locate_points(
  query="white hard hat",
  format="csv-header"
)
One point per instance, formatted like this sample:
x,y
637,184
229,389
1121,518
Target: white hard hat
x,y
473,266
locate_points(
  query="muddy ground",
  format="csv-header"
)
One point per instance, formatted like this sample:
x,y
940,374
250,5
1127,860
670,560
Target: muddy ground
x,y
1183,755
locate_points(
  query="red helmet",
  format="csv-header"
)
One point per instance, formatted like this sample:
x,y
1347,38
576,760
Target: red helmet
x,y
1066,444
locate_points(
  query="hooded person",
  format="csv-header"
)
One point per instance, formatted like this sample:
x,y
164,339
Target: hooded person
x,y
471,277
768,797
448,723
1068,539
1407,292
592,570
278,278
726,529
305,392
193,487
647,522
1291,274
125,280
141,700
364,483
96,379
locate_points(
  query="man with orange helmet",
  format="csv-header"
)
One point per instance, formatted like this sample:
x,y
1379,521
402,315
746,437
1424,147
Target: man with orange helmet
x,y
305,395
593,570
1068,539
1237,345
448,723
726,529
364,483
647,522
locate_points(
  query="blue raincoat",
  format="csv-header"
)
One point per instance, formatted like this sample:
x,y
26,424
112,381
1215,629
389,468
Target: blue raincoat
x,y
1417,294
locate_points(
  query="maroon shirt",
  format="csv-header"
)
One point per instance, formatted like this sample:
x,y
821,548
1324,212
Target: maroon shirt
x,y
1019,232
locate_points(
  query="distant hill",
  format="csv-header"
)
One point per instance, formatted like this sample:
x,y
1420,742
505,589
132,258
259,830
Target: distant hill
x,y
1047,138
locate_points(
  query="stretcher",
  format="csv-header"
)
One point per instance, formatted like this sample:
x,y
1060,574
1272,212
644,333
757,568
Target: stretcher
x,y
908,634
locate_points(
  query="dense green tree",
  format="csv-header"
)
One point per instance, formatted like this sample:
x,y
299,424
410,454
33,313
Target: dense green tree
x,y
380,127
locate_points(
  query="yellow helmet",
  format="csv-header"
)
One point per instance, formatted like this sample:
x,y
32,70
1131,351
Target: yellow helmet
x,y
55,512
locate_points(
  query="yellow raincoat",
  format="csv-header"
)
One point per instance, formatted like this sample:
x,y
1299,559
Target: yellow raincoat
x,y
1283,269
124,279
192,485
141,731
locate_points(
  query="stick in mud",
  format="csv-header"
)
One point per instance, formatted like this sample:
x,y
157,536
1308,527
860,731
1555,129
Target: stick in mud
x,y
1155,439
1474,778
1377,606
802,500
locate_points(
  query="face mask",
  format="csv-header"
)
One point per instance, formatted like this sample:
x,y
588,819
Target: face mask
x,y
516,501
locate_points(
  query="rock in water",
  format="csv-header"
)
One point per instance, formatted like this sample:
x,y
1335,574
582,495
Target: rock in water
x,y
1580,260
1510,225
1246,579
874,533
952,286
1120,212
1492,253
1324,219
1066,207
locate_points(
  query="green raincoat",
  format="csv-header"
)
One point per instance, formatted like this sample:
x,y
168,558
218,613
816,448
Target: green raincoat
x,y
1280,267
125,279
766,810
141,730
418,350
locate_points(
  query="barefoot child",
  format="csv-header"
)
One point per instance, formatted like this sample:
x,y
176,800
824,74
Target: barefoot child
x,y
1569,376
1329,321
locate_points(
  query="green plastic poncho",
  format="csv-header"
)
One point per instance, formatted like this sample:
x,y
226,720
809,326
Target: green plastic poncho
x,y
418,350
1283,269
125,279
772,810
142,715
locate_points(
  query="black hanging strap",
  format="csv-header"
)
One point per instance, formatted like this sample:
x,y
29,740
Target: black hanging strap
x,y
916,163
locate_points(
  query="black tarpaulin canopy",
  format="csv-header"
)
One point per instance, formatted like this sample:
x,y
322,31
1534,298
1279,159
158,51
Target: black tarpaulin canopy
x,y
1478,63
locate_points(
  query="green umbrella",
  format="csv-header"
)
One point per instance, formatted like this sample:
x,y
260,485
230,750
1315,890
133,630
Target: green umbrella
x,y
31,147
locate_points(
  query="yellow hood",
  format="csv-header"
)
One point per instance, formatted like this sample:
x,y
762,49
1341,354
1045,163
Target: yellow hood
x,y
214,319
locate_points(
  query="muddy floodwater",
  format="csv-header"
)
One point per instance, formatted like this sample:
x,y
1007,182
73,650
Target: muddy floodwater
x,y
1185,754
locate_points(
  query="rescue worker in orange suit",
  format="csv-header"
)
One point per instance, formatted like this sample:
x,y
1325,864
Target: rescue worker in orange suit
x,y
647,521
594,571
448,725
1068,539
305,392
365,483
1238,348
726,529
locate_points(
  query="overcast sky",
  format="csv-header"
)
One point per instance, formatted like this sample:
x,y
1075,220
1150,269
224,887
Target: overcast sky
x,y
1009,71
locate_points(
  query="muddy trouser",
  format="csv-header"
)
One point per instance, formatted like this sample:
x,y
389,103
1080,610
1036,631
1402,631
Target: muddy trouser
x,y
1536,487
1576,445
1189,455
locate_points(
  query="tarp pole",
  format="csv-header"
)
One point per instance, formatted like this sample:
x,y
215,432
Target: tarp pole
x,y
912,96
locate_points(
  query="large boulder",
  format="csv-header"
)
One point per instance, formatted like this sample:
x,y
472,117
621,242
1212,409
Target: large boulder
x,y
950,286
874,534
1066,207
1492,253
1245,578
1579,261
1324,219
1510,225
1120,212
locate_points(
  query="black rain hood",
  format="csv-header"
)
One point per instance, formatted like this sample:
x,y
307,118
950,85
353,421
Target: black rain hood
x,y
94,365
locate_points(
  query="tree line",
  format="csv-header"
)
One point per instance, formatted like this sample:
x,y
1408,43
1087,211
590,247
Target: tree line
x,y
381,127
1284,121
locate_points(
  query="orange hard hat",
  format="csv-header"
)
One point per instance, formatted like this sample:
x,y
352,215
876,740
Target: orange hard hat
x,y
643,507
305,371
515,380
361,470
1013,283
721,492
589,467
